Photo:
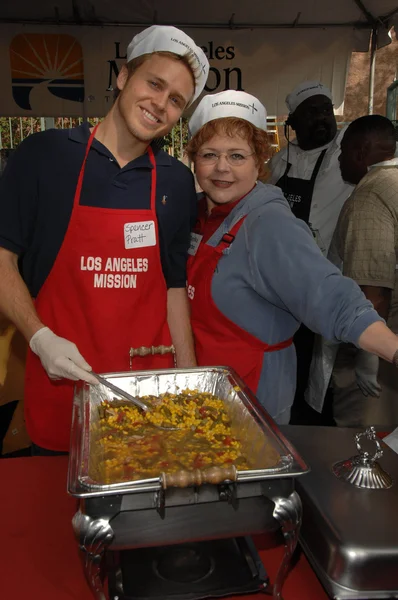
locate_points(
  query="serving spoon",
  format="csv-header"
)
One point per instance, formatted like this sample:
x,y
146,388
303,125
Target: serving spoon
x,y
130,398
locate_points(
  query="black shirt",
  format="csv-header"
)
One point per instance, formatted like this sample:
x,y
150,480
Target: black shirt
x,y
38,187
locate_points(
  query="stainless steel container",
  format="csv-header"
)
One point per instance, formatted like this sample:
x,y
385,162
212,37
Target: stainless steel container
x,y
143,513
349,533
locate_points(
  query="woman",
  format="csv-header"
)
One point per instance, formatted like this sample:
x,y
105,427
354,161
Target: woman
x,y
255,272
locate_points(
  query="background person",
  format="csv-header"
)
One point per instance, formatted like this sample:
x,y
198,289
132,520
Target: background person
x,y
365,391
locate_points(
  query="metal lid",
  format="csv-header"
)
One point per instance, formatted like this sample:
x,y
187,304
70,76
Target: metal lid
x,y
362,470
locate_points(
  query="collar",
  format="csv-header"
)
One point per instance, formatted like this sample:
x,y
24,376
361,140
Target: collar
x,y
206,223
295,153
313,150
392,162
81,135
222,210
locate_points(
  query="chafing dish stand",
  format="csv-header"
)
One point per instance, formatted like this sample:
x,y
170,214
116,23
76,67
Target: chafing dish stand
x,y
148,513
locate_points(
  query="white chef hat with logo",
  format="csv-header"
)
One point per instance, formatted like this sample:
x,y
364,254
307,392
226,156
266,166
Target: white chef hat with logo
x,y
164,38
306,90
228,104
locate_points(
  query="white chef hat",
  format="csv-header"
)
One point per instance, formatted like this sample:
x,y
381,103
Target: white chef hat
x,y
306,90
164,38
228,104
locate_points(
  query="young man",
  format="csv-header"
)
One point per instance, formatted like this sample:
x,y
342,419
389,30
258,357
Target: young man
x,y
366,245
99,224
308,173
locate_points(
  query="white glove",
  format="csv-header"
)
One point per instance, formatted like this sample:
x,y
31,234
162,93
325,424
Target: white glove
x,y
59,357
366,370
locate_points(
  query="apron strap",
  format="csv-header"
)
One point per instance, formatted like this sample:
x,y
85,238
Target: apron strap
x,y
153,178
317,166
229,237
76,200
299,192
288,166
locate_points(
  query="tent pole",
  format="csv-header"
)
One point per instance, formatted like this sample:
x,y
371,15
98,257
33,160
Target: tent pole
x,y
372,67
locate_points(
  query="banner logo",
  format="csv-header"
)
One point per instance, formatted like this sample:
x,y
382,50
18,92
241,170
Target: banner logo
x,y
44,66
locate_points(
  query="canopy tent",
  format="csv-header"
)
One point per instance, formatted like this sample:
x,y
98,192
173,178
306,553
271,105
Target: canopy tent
x,y
266,14
272,46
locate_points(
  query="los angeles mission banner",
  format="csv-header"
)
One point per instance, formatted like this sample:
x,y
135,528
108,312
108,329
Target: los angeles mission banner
x,y
71,71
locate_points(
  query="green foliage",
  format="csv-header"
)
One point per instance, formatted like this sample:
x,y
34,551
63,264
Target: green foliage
x,y
173,139
15,129
11,128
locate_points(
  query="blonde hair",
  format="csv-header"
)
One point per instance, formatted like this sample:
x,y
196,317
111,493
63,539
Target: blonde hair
x,y
231,126
133,65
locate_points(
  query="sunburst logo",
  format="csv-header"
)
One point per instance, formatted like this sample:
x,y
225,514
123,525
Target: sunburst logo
x,y
45,66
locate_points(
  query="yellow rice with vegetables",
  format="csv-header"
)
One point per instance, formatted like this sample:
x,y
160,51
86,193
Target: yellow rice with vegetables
x,y
132,447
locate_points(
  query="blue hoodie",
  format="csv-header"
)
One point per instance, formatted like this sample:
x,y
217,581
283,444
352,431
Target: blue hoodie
x,y
273,278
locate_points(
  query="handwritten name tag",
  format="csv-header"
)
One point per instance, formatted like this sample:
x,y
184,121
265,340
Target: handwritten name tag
x,y
196,238
140,234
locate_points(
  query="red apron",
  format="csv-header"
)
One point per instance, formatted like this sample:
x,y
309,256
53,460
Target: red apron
x,y
219,341
106,293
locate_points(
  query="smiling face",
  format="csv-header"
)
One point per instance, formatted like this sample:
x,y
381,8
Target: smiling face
x,y
221,181
153,98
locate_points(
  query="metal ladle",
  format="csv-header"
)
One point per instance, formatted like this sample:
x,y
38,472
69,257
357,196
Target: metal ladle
x,y
130,398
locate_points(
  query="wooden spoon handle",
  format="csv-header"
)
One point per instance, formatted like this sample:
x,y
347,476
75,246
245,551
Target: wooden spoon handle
x,y
211,475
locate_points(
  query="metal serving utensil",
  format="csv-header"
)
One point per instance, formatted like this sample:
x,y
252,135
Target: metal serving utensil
x,y
130,398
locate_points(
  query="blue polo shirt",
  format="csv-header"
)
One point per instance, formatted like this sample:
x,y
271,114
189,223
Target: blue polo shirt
x,y
37,191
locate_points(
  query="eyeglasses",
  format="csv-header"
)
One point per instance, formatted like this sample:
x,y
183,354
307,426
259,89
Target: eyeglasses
x,y
234,159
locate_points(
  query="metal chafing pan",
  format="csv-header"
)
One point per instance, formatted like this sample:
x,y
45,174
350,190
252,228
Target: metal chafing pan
x,y
258,433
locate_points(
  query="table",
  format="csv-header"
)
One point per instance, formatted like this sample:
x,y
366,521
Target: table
x,y
38,552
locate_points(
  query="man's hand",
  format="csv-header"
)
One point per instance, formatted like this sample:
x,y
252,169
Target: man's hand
x,y
366,370
59,357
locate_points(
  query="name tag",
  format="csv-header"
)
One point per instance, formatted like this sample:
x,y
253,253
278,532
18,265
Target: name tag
x,y
140,234
196,238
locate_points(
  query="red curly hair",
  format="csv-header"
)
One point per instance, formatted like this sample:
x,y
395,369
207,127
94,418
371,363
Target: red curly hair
x,y
232,126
